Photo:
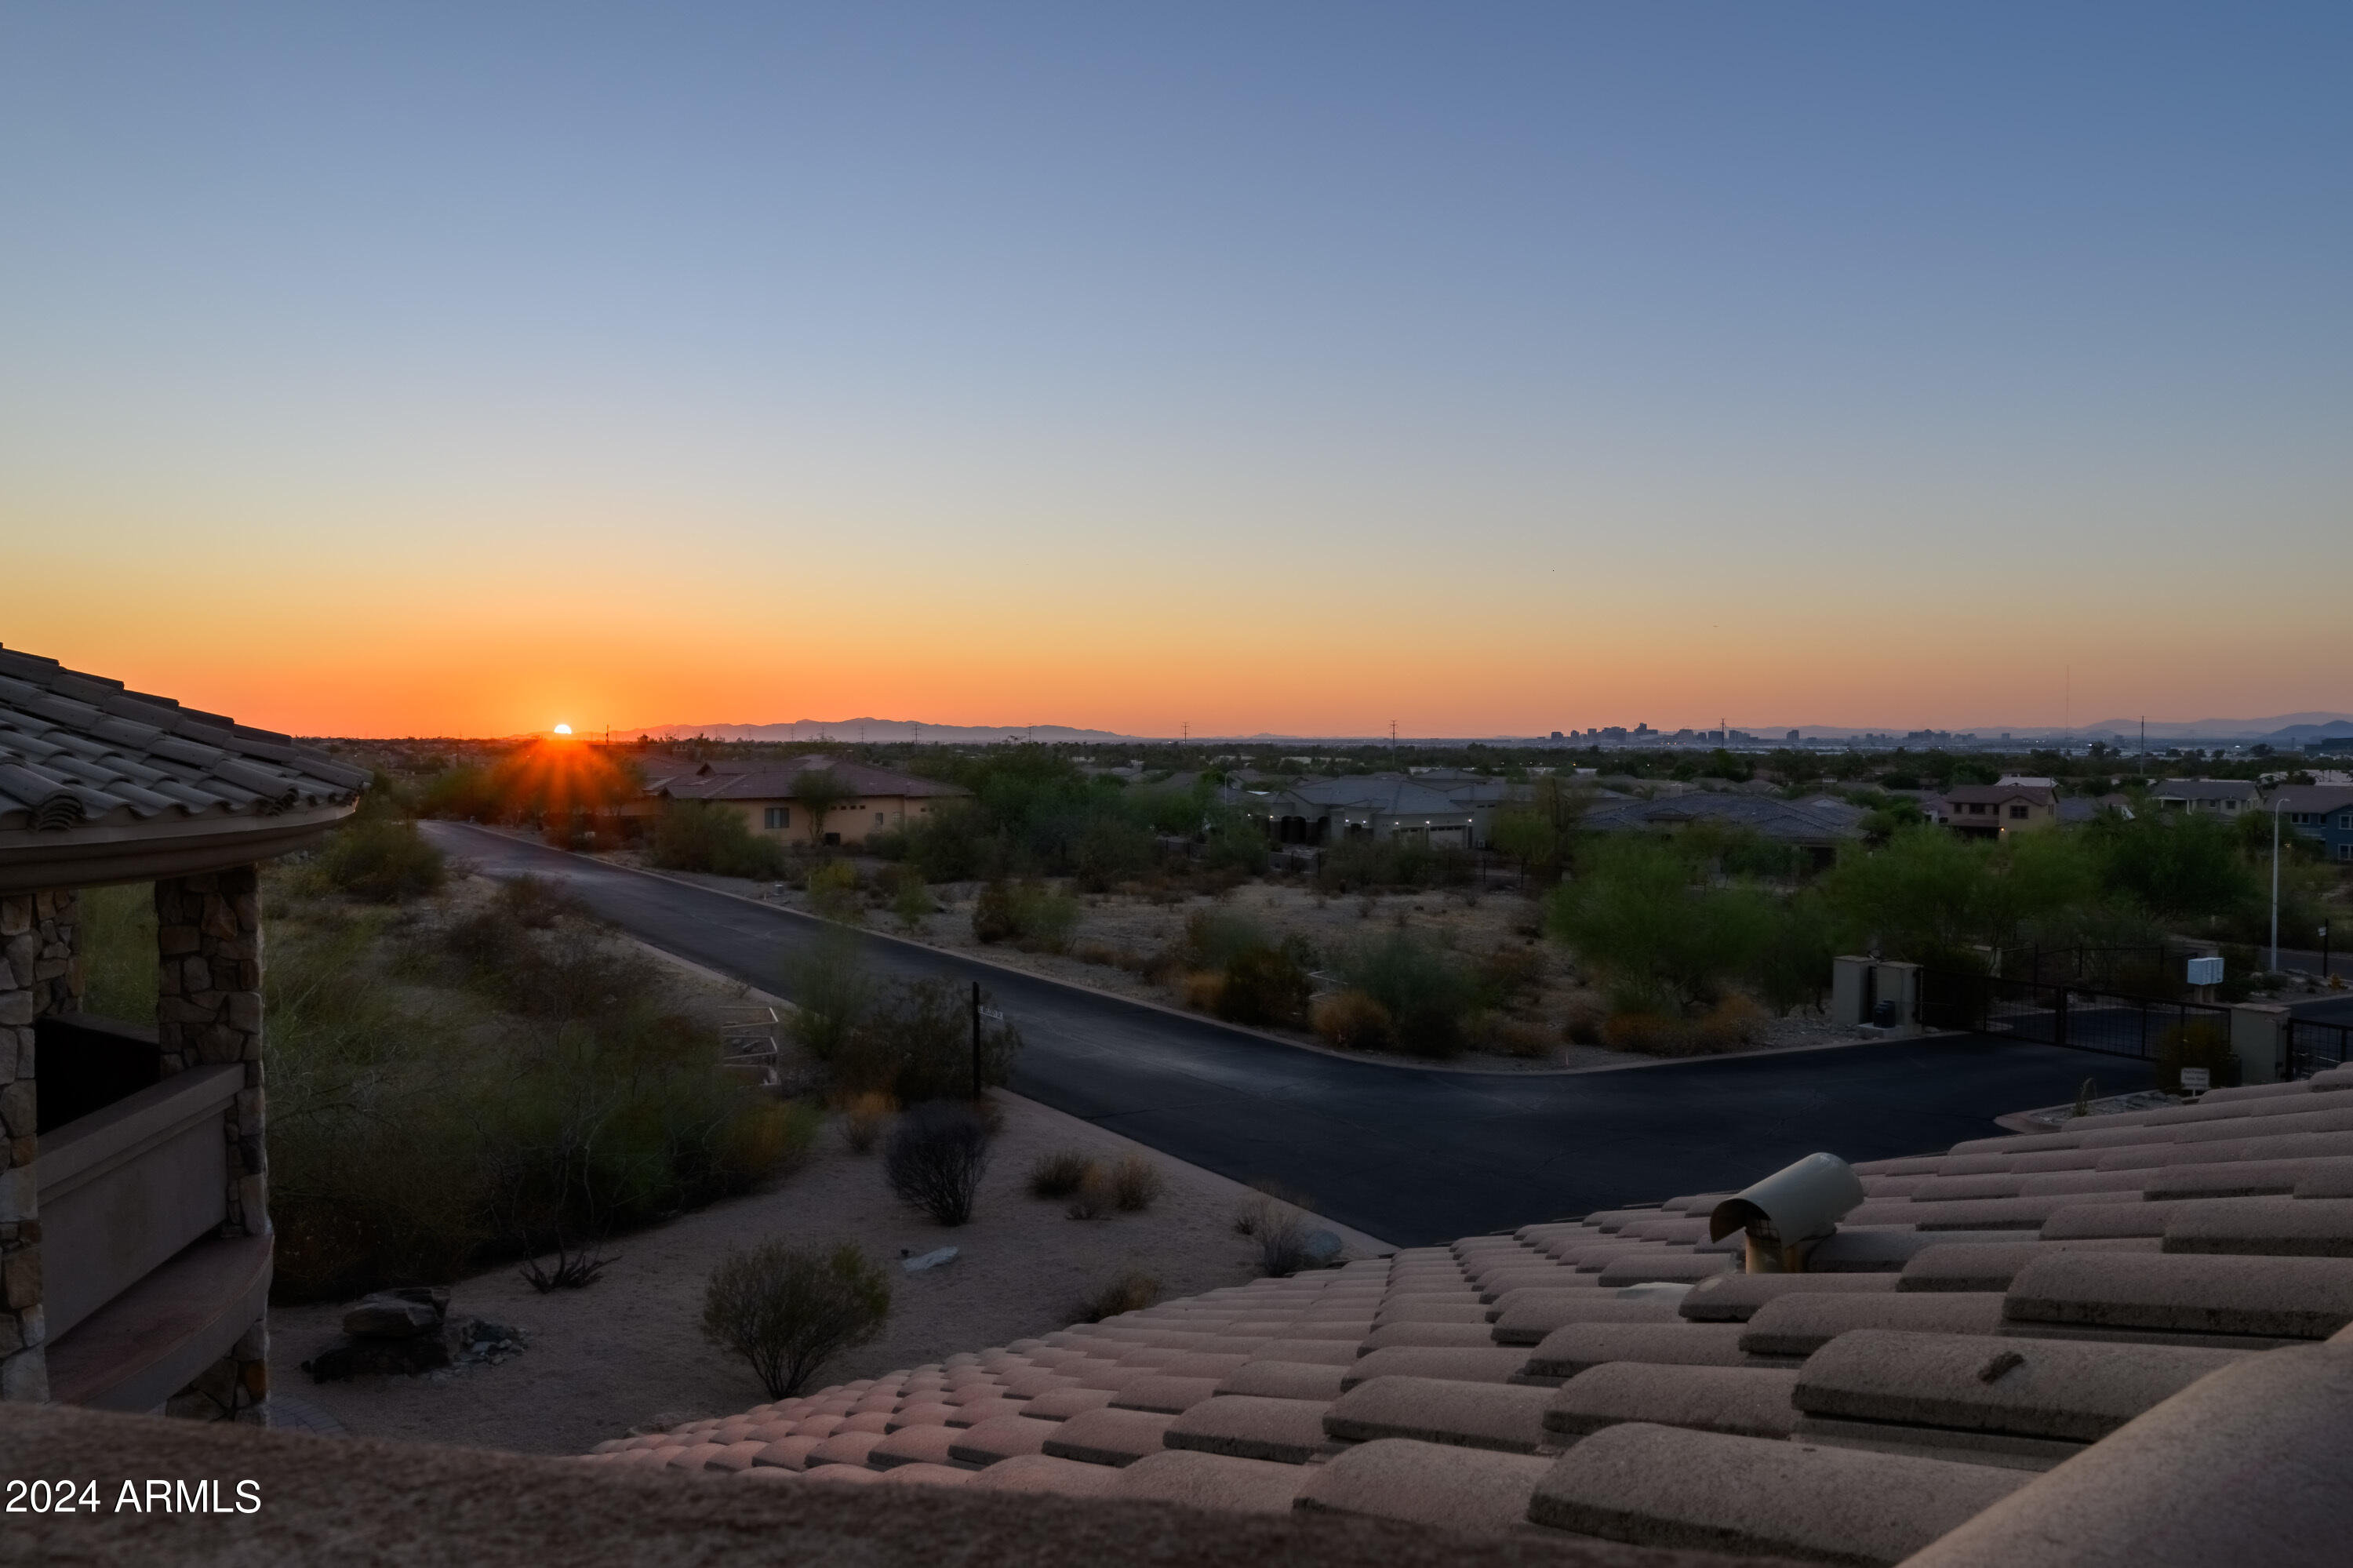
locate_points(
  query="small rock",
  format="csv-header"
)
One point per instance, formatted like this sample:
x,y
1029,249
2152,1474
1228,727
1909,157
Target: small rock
x,y
390,1317
931,1260
1320,1246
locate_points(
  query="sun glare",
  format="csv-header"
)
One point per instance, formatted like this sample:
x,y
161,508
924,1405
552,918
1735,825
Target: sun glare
x,y
563,729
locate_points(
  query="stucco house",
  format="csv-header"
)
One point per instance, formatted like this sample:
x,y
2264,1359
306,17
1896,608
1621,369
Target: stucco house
x,y
2223,797
1998,810
134,1211
812,799
1320,811
2322,812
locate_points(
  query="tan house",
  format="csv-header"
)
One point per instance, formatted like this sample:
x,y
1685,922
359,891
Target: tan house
x,y
1996,810
134,1213
812,799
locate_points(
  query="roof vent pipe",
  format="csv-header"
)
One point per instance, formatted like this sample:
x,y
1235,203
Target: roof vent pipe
x,y
1786,1213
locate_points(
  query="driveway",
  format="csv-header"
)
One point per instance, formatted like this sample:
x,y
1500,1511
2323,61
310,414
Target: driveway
x,y
1406,1153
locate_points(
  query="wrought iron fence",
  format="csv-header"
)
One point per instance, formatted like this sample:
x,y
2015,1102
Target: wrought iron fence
x,y
2081,1018
2315,1046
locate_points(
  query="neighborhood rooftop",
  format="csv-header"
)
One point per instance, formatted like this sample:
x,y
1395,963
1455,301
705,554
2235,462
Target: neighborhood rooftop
x,y
2124,1341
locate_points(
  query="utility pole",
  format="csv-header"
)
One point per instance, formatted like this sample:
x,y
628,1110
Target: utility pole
x,y
975,1039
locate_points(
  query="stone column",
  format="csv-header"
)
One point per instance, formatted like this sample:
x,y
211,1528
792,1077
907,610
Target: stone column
x,y
208,1009
40,974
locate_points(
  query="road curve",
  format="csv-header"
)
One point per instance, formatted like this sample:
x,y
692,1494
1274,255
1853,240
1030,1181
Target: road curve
x,y
1406,1153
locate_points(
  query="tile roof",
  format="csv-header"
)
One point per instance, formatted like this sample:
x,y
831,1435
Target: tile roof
x,y
1993,1321
79,752
1818,820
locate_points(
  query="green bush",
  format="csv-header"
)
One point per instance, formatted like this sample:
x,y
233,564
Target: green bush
x,y
1349,866
788,1310
712,838
547,1099
1636,917
116,929
1263,985
380,858
1426,994
913,1040
992,914
1043,918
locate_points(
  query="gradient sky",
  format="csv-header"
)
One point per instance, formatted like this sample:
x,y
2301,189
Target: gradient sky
x,y
1496,369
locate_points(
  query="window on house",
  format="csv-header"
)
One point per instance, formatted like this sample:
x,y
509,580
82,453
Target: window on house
x,y
878,819
2018,814
779,817
2345,851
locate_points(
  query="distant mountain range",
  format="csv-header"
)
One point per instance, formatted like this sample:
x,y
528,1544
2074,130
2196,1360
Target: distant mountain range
x,y
2288,730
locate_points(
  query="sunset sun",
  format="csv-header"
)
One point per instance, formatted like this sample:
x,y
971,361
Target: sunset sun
x,y
563,729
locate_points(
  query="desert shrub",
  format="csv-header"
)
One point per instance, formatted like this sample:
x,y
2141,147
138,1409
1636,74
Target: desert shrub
x,y
935,1160
1202,989
1353,1022
2206,1046
538,903
992,914
1136,1181
1094,1198
714,838
1509,973
1262,985
1043,918
788,1310
1729,1025
1426,994
1132,1291
380,858
1058,1175
415,1134
863,1120
1513,1037
1215,937
1101,953
832,994
915,1041
911,901
832,888
1352,865
1791,966
1584,1024
1651,1033
1637,915
1282,1237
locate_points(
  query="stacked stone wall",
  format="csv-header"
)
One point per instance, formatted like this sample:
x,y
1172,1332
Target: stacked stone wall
x,y
40,974
209,1010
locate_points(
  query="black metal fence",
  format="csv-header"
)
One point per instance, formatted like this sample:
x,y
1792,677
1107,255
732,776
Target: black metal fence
x,y
2314,1046
2081,1018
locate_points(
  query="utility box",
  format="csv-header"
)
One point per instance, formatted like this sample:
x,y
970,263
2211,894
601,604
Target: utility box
x,y
2259,1040
1898,983
1850,991
2206,971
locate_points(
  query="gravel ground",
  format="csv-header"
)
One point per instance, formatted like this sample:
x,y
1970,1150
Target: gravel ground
x,y
628,1348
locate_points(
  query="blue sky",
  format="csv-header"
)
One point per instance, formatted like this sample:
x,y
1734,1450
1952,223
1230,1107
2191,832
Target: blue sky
x,y
1831,364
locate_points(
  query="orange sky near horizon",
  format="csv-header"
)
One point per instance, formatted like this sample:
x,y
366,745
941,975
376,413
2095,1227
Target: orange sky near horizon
x,y
510,655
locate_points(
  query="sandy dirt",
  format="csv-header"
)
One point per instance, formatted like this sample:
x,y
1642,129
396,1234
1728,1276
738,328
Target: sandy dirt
x,y
630,1348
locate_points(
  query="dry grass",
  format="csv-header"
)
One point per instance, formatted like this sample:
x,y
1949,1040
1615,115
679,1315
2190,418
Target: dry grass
x,y
864,1119
1059,1174
1131,1292
1136,1181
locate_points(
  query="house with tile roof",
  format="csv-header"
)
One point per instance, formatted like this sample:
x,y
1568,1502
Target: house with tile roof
x,y
1998,810
1819,826
1374,806
786,803
2223,797
134,1218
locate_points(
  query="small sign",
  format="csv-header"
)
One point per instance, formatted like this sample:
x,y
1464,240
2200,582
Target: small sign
x,y
2196,1080
2206,971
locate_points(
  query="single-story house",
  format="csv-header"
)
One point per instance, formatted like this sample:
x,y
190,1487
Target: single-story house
x,y
1817,826
135,1243
812,799
2322,812
1320,811
2227,797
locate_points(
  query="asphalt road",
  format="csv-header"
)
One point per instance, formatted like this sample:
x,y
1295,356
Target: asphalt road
x,y
1408,1154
